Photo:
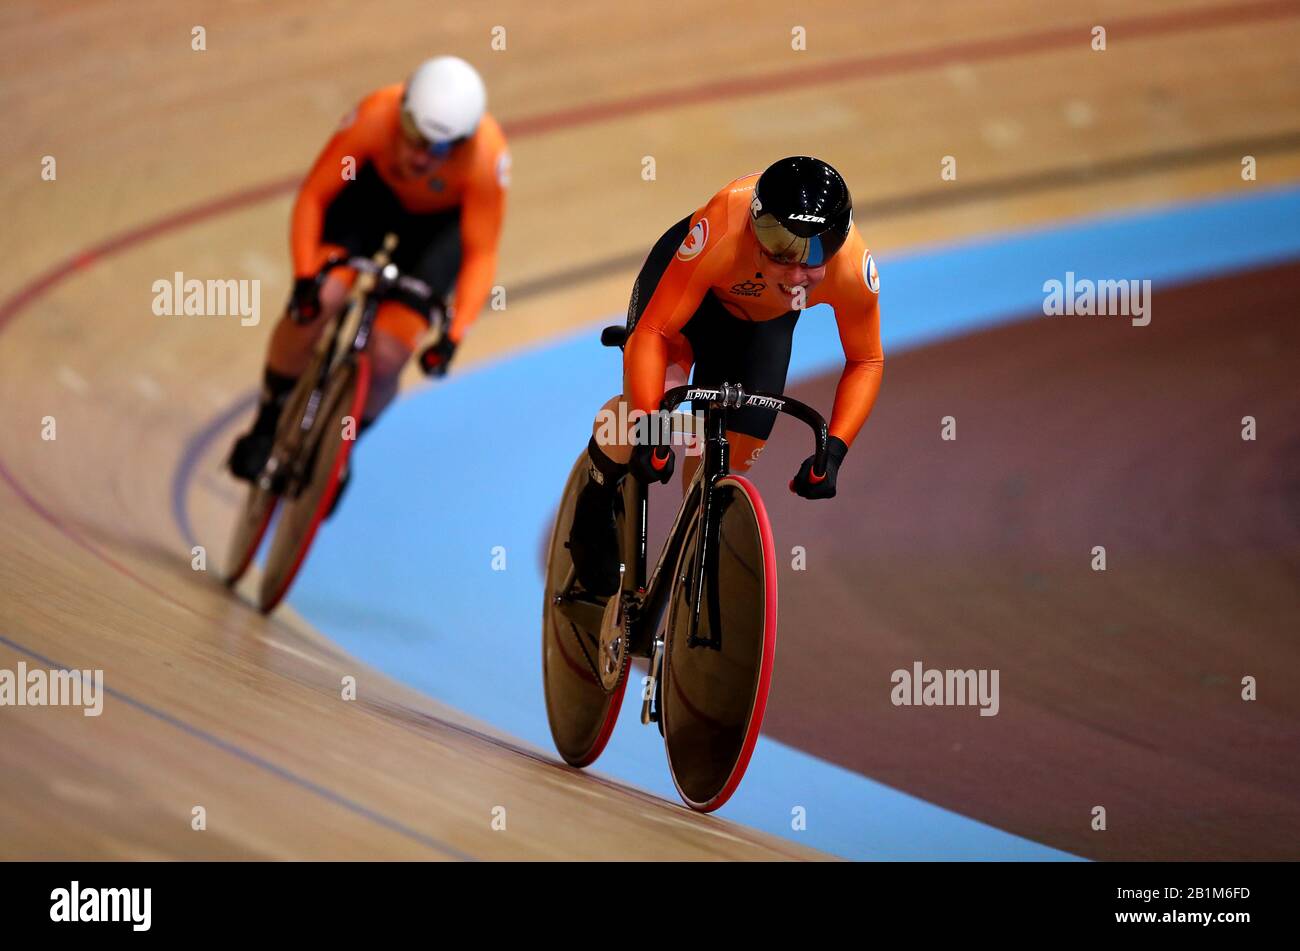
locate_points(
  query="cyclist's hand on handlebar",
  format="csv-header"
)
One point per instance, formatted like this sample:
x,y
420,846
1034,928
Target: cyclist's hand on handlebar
x,y
435,358
304,305
651,463
820,485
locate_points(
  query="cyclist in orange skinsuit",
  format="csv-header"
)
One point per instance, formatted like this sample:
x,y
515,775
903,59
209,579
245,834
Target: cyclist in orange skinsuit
x,y
722,291
420,159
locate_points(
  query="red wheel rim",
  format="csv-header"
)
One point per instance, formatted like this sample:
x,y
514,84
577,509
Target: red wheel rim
x,y
768,655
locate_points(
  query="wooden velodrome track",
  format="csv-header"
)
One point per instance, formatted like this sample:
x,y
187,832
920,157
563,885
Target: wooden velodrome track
x,y
170,159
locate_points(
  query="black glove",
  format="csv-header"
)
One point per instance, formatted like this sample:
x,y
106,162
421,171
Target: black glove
x,y
820,485
652,463
304,305
435,357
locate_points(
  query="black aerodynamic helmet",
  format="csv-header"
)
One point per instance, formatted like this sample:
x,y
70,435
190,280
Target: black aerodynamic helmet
x,y
802,210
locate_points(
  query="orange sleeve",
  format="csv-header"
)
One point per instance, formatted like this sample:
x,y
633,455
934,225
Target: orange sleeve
x,y
857,315
482,212
357,138
674,300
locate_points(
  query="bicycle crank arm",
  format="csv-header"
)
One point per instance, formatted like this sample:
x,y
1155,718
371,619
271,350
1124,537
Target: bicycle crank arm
x,y
613,656
586,612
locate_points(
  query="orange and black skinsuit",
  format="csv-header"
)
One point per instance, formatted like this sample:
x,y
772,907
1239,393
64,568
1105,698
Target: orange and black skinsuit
x,y
702,298
448,222
705,299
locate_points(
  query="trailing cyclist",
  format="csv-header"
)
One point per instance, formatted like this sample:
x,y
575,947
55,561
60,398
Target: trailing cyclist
x,y
422,160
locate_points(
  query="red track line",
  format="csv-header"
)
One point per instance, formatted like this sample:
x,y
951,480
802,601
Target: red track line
x,y
860,67
39,286
887,64
906,61
76,537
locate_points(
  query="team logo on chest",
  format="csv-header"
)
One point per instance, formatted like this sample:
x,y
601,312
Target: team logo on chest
x,y
749,288
694,242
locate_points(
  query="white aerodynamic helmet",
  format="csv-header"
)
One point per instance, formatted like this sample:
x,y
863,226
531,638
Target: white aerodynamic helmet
x,y
443,101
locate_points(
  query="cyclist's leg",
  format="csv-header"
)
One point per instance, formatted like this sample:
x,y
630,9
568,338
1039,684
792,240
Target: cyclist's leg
x,y
398,330
762,366
396,333
612,427
593,538
754,354
428,247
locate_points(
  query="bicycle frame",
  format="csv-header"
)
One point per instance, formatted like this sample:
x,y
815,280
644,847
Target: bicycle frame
x,y
301,462
583,704
644,600
387,279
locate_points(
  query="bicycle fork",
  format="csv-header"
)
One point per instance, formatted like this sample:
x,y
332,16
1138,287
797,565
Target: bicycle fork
x,y
717,463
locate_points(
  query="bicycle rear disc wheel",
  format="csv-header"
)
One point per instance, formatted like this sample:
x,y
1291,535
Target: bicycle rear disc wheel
x,y
714,699
260,504
250,526
300,517
581,714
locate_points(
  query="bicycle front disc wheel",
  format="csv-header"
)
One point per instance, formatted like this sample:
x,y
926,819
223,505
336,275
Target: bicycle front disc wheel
x,y
715,690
